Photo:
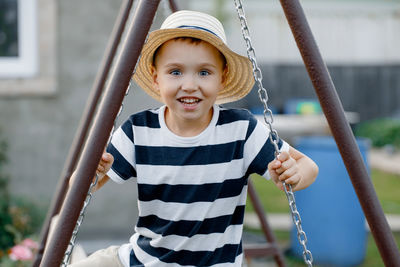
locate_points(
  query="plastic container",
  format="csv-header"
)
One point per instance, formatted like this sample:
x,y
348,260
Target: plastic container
x,y
302,106
330,211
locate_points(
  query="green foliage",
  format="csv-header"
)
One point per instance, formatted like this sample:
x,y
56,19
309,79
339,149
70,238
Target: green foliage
x,y
19,217
6,238
26,218
381,132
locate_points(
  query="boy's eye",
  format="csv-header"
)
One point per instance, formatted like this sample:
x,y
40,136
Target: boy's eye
x,y
204,73
175,72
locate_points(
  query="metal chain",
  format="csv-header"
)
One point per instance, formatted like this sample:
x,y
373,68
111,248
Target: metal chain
x,y
273,134
71,245
301,235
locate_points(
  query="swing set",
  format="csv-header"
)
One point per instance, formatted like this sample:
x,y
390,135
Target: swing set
x,y
71,204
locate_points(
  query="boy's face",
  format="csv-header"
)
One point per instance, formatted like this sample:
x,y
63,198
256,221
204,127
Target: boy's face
x,y
188,76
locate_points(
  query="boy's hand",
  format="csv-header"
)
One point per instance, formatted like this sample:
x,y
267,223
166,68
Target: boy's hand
x,y
105,164
284,169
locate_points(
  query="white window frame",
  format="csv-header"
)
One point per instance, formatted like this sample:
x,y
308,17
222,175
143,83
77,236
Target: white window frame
x,y
25,65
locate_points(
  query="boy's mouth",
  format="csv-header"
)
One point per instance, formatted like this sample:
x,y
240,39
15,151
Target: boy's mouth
x,y
189,101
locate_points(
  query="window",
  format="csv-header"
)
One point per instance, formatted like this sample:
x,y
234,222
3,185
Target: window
x,y
18,39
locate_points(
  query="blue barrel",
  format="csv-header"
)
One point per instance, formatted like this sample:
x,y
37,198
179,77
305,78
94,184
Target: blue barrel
x,y
330,211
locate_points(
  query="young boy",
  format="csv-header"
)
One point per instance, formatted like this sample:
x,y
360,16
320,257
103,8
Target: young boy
x,y
191,157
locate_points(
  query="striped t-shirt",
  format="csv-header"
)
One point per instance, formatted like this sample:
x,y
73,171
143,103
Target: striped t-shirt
x,y
191,190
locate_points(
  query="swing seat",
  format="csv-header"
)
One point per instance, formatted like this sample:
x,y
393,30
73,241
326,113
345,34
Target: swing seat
x,y
260,250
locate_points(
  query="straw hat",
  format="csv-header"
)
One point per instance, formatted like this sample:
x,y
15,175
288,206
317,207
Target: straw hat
x,y
194,24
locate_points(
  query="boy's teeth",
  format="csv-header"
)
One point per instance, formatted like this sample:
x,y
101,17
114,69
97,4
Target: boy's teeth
x,y
189,100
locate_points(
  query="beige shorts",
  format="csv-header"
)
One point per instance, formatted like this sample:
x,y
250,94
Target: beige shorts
x,y
102,258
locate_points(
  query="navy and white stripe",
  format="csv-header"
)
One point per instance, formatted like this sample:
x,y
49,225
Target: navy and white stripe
x,y
191,191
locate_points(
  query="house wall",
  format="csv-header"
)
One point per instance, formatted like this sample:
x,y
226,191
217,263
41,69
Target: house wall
x,y
39,127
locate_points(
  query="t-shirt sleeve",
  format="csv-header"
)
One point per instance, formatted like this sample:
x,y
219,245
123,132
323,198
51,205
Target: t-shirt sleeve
x,y
123,150
258,148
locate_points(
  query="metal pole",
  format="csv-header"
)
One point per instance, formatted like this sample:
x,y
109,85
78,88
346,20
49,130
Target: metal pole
x,y
269,235
173,6
341,131
99,133
86,120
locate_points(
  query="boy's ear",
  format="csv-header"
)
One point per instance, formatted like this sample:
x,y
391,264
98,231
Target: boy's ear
x,y
154,77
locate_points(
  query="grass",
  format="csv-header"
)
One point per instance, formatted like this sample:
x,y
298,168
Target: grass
x,y
386,186
274,201
372,258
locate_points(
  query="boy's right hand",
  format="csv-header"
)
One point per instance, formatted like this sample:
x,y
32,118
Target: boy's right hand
x,y
105,164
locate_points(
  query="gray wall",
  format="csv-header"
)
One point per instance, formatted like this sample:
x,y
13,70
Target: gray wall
x,y
39,129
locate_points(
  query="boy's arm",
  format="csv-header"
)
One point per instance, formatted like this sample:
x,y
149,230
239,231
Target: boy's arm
x,y
294,168
104,166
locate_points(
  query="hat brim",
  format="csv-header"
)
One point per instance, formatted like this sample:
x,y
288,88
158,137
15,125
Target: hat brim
x,y
240,79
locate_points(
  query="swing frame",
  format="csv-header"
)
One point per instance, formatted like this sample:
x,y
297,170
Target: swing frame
x,y
114,95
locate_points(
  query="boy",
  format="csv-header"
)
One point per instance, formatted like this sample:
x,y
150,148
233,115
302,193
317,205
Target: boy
x,y
191,157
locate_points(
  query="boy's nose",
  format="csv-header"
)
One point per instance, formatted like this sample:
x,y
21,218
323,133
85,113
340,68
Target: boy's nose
x,y
189,84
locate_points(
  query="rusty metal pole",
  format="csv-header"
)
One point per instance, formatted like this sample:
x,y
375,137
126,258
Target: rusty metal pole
x,y
99,133
269,235
173,6
83,128
341,131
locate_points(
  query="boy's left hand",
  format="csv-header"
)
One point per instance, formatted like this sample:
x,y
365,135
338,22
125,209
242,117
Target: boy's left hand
x,y
284,169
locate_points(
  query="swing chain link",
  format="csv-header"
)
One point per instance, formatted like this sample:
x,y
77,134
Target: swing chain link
x,y
273,135
262,92
301,235
71,245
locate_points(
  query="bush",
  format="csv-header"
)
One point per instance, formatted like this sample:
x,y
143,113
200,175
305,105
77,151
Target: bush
x,y
19,218
381,132
6,238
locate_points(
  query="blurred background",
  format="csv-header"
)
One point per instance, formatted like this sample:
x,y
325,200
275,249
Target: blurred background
x,y
50,52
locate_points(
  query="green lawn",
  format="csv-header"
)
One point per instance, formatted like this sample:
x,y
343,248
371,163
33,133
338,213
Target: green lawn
x,y
372,259
386,186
